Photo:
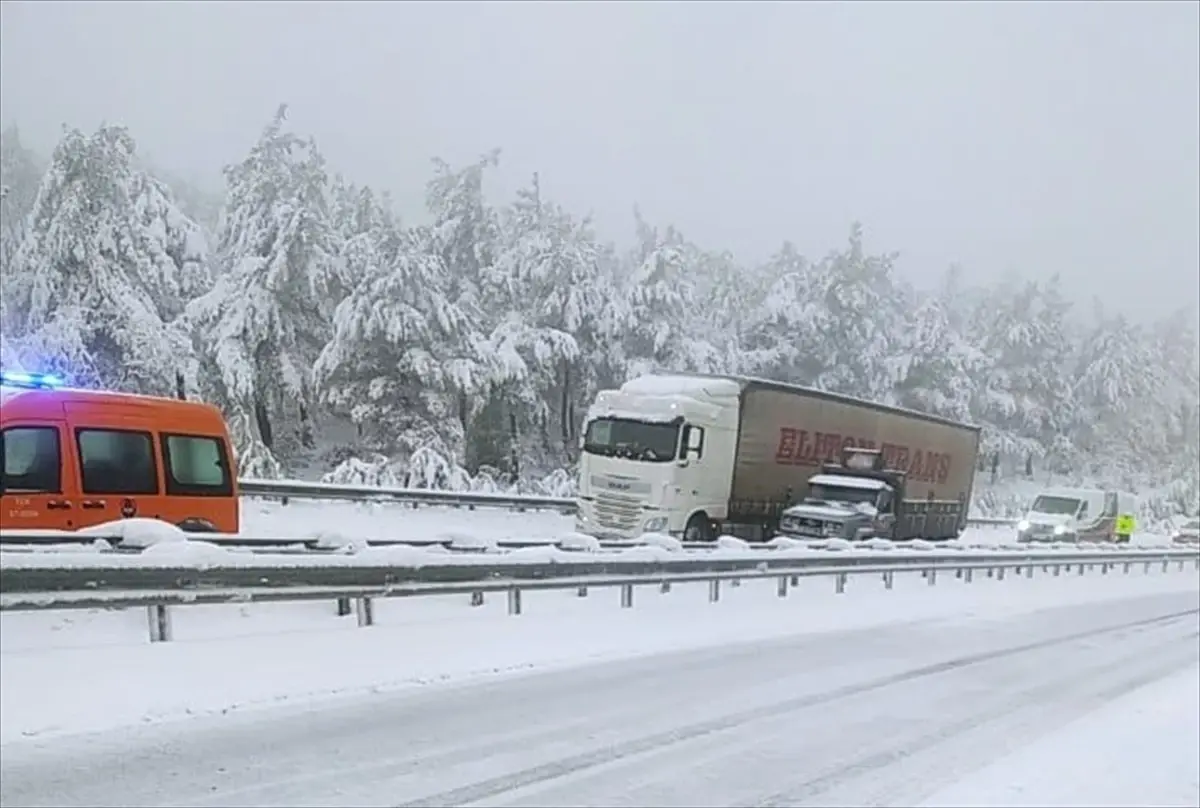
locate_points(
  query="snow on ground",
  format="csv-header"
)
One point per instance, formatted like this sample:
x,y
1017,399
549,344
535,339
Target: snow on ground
x,y
775,704
229,657
1141,749
171,550
396,521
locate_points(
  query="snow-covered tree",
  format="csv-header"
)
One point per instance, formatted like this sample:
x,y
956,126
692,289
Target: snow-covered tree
x,y
554,283
20,175
400,350
279,279
94,290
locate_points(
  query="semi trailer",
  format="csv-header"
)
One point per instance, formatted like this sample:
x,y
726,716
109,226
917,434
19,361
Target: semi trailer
x,y
698,456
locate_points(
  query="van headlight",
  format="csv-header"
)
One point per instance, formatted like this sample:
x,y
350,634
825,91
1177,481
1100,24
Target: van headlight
x,y
1059,530
656,524
1023,525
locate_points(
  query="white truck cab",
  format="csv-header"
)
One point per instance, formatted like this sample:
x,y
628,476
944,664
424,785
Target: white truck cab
x,y
658,457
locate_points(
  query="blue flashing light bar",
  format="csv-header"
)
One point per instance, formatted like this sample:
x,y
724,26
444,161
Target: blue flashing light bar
x,y
39,381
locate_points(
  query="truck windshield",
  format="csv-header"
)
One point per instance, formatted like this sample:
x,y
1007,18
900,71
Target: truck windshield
x,y
1056,506
833,493
633,440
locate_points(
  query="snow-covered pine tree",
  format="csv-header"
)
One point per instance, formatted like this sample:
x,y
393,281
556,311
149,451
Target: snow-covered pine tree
x,y
401,349
661,304
943,367
279,280
20,175
96,285
785,327
861,325
556,285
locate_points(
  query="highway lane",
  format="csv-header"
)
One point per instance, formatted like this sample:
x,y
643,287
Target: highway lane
x,y
882,716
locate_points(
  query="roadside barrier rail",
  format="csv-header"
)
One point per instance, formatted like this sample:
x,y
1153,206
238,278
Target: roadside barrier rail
x,y
109,584
286,490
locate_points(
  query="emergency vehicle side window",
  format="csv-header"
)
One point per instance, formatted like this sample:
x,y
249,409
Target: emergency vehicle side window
x,y
116,461
197,466
32,461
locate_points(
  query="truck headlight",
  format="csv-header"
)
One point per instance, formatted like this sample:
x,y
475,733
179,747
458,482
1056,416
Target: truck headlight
x,y
788,525
1023,525
832,529
656,524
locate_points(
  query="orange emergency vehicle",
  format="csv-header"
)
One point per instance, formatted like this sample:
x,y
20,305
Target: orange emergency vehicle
x,y
75,458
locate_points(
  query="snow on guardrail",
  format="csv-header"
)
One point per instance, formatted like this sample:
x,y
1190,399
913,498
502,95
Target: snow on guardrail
x,y
285,490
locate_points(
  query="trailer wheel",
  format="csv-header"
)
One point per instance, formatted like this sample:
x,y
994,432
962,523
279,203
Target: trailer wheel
x,y
699,528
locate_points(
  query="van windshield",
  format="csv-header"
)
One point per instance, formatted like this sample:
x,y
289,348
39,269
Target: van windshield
x,y
632,440
1056,506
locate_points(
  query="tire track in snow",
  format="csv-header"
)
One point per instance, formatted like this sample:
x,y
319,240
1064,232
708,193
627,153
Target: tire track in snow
x,y
544,773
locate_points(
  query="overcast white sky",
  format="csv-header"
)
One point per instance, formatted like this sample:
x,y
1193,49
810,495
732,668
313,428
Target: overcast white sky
x,y
1040,137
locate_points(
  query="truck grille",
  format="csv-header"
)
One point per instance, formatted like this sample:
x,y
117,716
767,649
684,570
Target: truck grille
x,y
618,513
803,526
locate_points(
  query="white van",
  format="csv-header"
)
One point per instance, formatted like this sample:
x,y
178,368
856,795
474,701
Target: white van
x,y
1076,514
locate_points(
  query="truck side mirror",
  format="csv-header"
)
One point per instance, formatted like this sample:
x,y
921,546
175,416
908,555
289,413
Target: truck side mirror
x,y
693,442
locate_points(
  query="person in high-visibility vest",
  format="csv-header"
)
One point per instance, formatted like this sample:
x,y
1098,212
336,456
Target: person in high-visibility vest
x,y
1124,528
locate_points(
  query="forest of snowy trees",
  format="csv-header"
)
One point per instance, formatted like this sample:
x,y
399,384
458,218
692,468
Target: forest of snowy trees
x,y
339,340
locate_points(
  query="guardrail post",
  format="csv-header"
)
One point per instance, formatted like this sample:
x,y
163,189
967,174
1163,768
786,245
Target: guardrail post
x,y
1028,570
714,590
795,580
343,607
968,574
959,573
1128,566
626,596
477,598
1057,570
1166,564
991,573
781,586
364,608
1082,568
888,579
839,584
931,576
999,573
665,588
514,600
1146,568
735,583
1104,568
581,592
160,622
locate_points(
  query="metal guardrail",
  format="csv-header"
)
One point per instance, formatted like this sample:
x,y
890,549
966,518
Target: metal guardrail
x,y
285,490
23,589
292,489
31,540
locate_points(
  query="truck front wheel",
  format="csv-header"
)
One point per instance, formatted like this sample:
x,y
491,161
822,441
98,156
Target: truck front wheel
x,y
699,528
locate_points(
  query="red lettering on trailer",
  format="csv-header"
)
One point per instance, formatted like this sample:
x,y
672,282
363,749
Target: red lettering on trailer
x,y
787,445
799,447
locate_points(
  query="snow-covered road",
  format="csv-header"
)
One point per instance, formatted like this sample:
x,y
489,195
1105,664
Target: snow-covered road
x,y
888,713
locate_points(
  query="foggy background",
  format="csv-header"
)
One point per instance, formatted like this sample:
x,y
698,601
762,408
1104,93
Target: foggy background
x,y
1033,137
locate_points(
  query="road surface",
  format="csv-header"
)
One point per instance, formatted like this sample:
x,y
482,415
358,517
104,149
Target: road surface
x,y
879,716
